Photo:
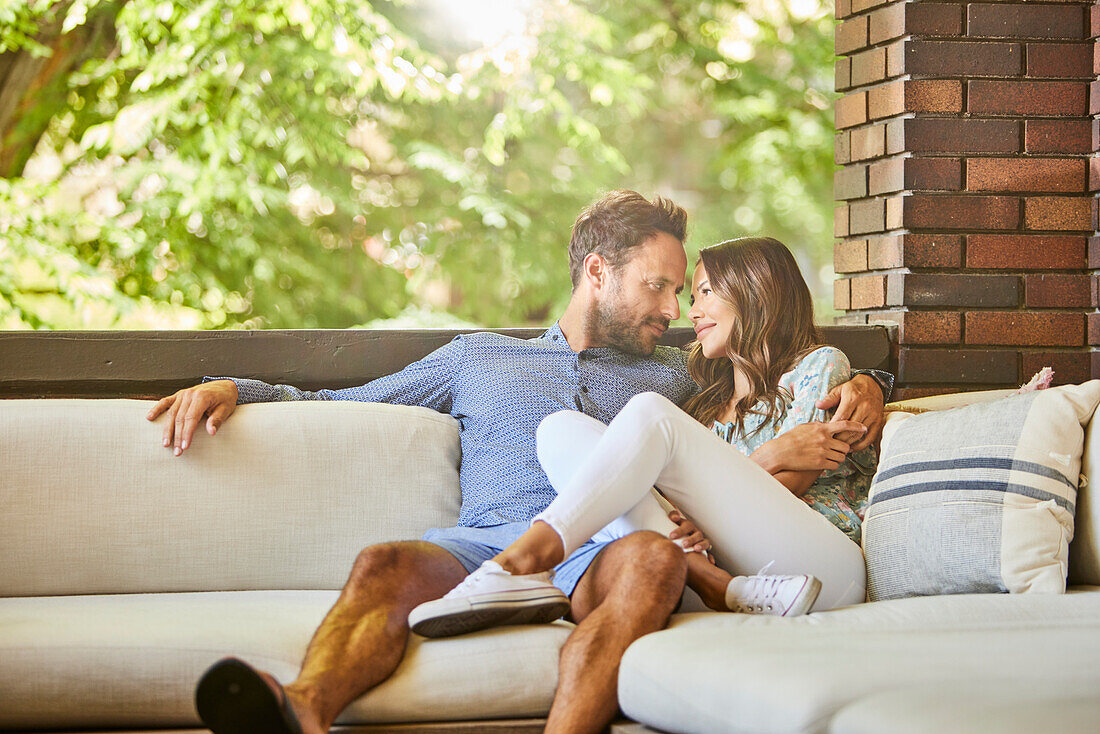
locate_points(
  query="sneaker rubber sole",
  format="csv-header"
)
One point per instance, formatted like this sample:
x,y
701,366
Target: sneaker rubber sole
x,y
806,599
449,617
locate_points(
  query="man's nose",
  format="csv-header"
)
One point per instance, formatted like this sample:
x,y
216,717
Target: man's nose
x,y
672,307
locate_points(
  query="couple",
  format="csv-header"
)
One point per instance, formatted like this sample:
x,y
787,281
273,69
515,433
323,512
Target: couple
x,y
623,434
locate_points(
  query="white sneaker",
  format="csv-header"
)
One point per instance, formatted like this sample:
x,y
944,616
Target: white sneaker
x,y
490,597
783,596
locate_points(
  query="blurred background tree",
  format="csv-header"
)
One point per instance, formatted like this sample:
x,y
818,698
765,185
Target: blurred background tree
x,y
330,163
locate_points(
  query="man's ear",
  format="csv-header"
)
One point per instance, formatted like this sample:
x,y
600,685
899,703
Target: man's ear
x,y
595,270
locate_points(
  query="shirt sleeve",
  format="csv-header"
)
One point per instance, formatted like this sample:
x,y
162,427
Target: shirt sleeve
x,y
428,382
811,380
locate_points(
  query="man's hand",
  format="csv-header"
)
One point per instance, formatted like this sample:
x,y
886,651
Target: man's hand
x,y
807,447
686,535
187,408
859,400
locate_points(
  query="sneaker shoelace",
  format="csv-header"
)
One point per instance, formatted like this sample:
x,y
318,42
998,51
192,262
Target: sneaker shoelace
x,y
760,592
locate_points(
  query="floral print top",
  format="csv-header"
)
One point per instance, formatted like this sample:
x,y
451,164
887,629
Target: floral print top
x,y
839,494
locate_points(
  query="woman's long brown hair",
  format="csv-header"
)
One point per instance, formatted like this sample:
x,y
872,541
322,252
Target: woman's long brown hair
x,y
774,329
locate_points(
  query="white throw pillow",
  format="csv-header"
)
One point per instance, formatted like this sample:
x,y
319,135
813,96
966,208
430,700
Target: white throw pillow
x,y
978,498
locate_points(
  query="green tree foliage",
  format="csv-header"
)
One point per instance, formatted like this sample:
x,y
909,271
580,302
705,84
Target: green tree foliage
x,y
284,164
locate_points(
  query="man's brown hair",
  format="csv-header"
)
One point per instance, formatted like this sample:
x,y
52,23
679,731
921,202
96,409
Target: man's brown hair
x,y
619,222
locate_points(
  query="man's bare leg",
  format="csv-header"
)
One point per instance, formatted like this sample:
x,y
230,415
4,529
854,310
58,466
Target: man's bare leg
x,y
630,590
362,639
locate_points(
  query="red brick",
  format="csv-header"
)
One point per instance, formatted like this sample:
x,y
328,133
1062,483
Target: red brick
x,y
851,35
1058,212
895,59
1094,255
850,256
933,19
887,23
946,135
868,291
842,294
963,58
1095,59
1070,368
932,250
925,327
840,221
933,174
1094,173
895,137
1064,60
868,66
1094,98
1094,21
961,212
868,142
851,110
1026,174
1093,333
866,216
858,6
884,252
1094,290
850,182
842,147
1025,328
914,95
1027,98
1057,291
1058,136
949,289
842,75
843,9
1025,252
894,218
914,251
955,366
886,176
997,20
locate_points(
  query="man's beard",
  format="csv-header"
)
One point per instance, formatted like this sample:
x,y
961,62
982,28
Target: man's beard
x,y
616,328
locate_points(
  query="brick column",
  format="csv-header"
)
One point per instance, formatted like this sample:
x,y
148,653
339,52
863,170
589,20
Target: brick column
x,y
966,215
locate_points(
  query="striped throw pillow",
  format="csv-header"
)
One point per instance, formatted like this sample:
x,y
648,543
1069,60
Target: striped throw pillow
x,y
979,498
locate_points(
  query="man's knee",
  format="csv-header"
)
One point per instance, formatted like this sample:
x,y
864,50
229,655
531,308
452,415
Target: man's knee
x,y
386,560
655,561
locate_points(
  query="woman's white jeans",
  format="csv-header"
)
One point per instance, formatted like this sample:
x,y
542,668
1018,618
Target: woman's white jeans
x,y
604,475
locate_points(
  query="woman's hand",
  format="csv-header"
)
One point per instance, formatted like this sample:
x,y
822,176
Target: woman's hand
x,y
808,447
686,535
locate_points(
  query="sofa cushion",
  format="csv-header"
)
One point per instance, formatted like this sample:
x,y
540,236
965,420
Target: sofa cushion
x,y
978,498
759,674
134,659
284,496
1000,704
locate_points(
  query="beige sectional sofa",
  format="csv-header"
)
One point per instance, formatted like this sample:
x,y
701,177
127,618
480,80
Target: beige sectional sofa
x,y
125,571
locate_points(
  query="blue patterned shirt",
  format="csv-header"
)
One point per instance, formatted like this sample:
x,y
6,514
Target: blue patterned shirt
x,y
499,388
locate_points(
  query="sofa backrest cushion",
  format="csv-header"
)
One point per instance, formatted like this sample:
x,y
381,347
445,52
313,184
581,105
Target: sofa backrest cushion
x,y
283,497
1084,550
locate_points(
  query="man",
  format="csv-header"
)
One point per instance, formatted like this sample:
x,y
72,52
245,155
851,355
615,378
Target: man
x,y
627,265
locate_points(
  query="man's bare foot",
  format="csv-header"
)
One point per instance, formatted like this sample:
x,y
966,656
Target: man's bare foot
x,y
232,697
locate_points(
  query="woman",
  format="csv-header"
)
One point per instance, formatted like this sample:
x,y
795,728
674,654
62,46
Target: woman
x,y
761,370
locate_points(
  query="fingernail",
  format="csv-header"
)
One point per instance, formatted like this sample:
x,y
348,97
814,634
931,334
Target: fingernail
x,y
165,443
177,451
186,444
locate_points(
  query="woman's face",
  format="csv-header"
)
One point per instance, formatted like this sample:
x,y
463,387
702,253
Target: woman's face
x,y
712,317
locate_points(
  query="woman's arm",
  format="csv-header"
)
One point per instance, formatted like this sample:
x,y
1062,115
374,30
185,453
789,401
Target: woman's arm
x,y
798,456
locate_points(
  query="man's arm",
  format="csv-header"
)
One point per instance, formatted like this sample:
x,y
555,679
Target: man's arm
x,y
797,457
427,382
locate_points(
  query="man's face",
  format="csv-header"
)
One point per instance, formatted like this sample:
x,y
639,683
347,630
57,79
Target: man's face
x,y
635,309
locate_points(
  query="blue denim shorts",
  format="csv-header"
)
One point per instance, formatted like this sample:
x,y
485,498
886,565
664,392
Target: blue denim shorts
x,y
474,546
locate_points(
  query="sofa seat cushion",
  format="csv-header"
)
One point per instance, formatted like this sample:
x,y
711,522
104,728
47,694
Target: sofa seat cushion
x,y
737,673
134,659
1004,706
